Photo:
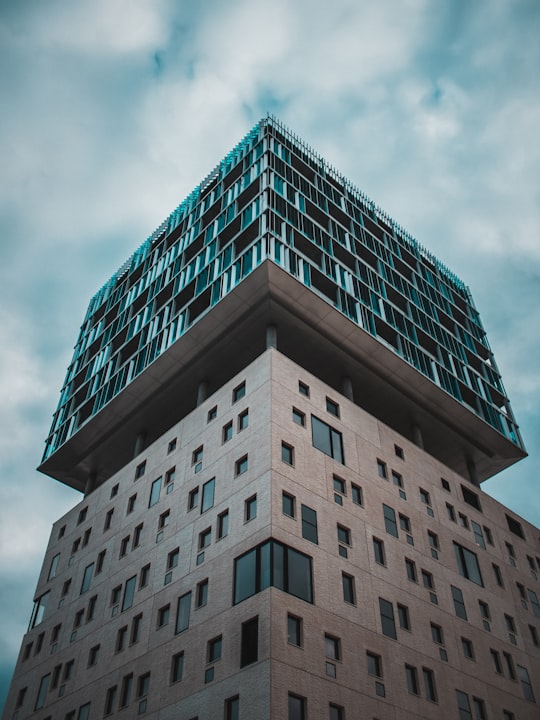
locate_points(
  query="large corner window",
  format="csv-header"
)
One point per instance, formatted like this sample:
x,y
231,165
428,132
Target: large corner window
x,y
273,564
468,564
327,439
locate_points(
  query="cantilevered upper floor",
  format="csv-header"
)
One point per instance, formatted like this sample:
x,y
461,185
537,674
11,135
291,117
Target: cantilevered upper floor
x,y
276,237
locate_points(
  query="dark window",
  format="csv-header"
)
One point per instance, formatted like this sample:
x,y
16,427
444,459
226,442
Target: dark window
x,y
309,524
526,687
445,485
397,479
226,433
429,684
356,494
332,407
196,458
298,417
344,535
154,492
468,564
171,446
479,709
374,664
335,712
348,588
177,667
239,392
131,503
182,612
515,527
437,634
496,659
110,700
250,508
411,675
202,593
403,615
208,490
193,499
287,453
388,624
296,708
42,691
125,693
399,452
326,439
241,465
212,414
381,469
464,706
288,504
137,533
214,649
332,647
249,651
223,524
451,512
459,605
410,567
243,420
273,564
136,625
145,576
294,630
139,471
172,558
471,498
164,615
232,708
424,496
498,575
303,389
468,648
378,551
390,520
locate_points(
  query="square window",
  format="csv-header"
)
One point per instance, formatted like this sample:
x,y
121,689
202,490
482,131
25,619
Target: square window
x,y
239,392
424,496
287,453
332,407
298,417
241,465
303,389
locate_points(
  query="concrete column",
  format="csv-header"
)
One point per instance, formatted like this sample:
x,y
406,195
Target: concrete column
x,y
90,484
139,443
417,435
202,392
271,337
347,388
473,475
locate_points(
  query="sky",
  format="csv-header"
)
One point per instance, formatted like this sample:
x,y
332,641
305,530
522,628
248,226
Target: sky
x,y
113,110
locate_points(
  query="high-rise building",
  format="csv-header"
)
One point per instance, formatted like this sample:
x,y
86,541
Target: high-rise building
x,y
280,411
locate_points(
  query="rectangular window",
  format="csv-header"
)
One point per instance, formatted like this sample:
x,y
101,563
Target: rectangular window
x,y
227,432
336,712
437,634
296,707
212,414
344,535
164,614
250,508
243,420
241,465
136,625
207,500
171,446
348,588
498,575
332,407
390,520
53,567
183,609
378,551
202,594
303,389
309,524
193,498
42,691
239,392
451,512
496,660
110,700
468,564
463,520
154,492
129,593
124,545
287,453
464,706
249,644
140,470
177,667
509,665
356,494
479,709
397,479
213,651
131,504
411,675
87,578
332,647
326,439
382,470
144,576
410,567
478,535
125,693
121,636
403,615
471,498
170,476
388,624
429,684
525,681
427,580
468,648
374,664
288,504
108,519
294,630
223,524
232,708
164,519
459,605
298,417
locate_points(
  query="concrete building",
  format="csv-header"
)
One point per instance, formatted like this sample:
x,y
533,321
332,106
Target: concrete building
x,y
280,411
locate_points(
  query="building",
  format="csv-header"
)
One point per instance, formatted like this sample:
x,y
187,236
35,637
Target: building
x,y
280,411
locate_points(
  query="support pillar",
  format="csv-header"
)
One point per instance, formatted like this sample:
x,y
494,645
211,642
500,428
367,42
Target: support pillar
x,y
417,435
139,443
473,474
347,388
202,392
271,337
90,484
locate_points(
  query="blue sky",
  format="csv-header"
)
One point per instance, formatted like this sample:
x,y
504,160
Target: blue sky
x,y
113,110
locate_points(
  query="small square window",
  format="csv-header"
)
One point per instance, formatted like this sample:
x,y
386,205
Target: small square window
x,y
212,414
298,417
241,465
303,389
287,453
239,392
332,407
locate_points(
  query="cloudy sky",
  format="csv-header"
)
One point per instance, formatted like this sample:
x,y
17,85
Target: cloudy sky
x,y
112,110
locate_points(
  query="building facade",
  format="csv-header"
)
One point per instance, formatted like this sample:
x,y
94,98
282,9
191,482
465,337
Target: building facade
x,y
280,411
